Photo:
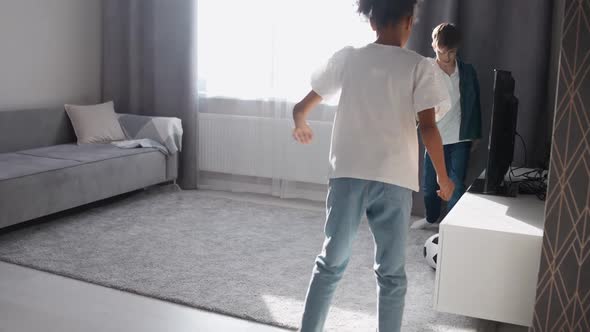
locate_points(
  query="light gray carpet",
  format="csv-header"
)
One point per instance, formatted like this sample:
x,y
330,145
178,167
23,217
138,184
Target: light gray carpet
x,y
230,256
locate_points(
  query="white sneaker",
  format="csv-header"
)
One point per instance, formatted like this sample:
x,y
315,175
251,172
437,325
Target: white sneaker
x,y
423,224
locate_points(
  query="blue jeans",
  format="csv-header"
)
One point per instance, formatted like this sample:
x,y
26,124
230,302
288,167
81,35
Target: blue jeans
x,y
388,210
456,160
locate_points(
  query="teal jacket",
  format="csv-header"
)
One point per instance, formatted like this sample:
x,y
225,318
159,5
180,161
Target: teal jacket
x,y
470,102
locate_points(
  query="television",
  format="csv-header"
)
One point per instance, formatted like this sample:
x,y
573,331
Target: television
x,y
501,140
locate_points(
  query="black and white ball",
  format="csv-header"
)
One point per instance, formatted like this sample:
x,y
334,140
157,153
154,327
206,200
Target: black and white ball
x,y
431,250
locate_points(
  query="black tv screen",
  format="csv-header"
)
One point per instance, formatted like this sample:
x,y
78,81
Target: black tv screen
x,y
502,133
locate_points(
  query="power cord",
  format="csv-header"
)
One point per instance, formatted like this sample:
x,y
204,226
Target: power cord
x,y
524,147
533,182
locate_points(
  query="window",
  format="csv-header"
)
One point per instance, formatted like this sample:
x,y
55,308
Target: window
x,y
268,49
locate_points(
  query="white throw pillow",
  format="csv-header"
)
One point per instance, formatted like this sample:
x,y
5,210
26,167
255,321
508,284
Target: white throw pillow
x,y
95,123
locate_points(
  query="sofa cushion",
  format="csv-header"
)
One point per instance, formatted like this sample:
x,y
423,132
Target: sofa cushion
x,y
85,152
14,165
95,123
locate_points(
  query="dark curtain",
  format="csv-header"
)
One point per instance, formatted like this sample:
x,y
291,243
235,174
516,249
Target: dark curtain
x,y
149,66
503,34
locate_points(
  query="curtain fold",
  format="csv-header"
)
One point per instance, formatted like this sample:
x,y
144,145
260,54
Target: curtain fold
x,y
149,66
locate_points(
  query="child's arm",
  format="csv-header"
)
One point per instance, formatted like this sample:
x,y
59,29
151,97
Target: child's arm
x,y
433,144
302,133
326,81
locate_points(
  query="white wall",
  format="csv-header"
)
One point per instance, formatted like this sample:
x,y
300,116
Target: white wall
x,y
50,52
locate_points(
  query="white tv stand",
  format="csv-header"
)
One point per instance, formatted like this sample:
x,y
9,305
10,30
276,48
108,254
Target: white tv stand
x,y
490,251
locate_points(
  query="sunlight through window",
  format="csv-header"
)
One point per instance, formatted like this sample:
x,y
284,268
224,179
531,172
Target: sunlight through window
x,y
268,49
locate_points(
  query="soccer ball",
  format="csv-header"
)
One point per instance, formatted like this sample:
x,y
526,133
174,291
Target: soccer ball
x,y
431,250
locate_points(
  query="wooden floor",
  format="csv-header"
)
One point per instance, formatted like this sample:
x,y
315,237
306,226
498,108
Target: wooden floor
x,y
35,301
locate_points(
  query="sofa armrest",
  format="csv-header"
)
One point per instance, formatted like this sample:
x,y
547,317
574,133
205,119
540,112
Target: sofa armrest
x,y
164,130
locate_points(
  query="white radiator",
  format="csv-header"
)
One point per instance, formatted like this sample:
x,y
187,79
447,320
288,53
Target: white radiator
x,y
262,147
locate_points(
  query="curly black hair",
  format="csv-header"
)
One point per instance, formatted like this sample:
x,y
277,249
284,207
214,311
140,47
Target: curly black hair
x,y
385,12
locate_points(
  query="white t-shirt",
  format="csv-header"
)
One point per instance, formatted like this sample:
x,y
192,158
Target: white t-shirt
x,y
449,119
383,88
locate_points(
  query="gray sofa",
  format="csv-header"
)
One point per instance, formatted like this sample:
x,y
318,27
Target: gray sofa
x,y
43,170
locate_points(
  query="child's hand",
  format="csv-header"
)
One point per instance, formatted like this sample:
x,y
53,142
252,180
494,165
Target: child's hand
x,y
303,134
447,187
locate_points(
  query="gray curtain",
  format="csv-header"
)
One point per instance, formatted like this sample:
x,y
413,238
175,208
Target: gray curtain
x,y
503,34
149,66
